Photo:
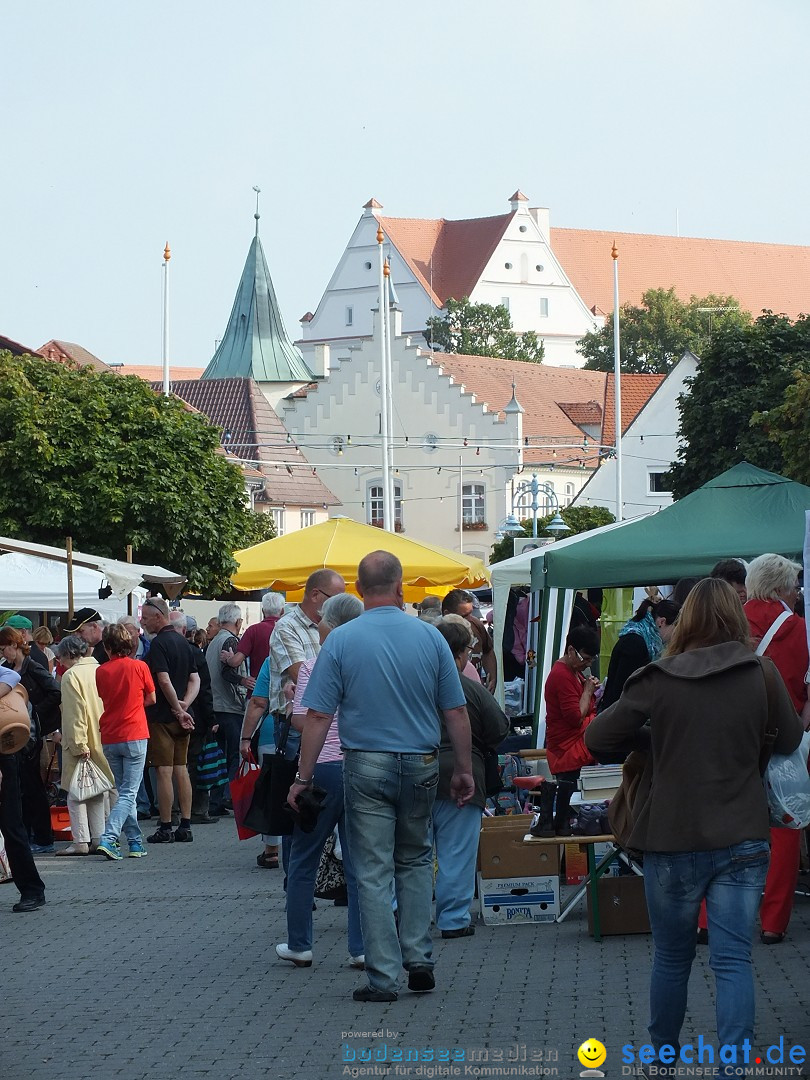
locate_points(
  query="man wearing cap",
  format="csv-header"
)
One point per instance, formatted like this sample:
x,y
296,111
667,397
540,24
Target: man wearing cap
x,y
25,626
177,684
89,626
460,602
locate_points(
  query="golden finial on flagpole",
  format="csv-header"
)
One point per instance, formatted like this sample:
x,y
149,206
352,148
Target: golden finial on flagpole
x,y
386,269
614,251
167,252
380,235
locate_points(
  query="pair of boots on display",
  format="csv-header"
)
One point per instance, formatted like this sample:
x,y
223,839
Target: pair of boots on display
x,y
553,817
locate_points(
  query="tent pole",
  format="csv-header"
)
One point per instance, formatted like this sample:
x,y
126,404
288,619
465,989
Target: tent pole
x,y
129,595
69,550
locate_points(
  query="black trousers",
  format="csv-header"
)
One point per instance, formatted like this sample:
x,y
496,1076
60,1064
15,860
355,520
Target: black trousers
x,y
36,811
15,834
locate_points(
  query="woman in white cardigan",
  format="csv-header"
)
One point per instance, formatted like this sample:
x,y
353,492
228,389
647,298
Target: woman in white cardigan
x,y
81,739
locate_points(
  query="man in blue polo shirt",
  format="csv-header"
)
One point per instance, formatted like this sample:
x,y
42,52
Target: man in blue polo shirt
x,y
389,675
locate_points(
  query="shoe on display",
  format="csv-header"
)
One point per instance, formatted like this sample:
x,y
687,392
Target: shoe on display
x,y
300,959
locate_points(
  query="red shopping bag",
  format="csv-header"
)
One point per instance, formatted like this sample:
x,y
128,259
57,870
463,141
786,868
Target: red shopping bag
x,y
242,787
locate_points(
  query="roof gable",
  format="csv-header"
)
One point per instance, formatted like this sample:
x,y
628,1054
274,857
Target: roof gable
x,y
67,351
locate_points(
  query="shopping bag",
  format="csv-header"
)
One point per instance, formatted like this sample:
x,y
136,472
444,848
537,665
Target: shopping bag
x,y
330,879
88,781
242,787
212,768
787,785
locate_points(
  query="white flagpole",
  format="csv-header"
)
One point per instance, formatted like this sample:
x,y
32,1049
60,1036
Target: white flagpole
x,y
166,256
389,397
617,385
388,522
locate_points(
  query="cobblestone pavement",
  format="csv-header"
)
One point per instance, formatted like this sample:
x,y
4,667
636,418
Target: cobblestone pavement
x,y
164,967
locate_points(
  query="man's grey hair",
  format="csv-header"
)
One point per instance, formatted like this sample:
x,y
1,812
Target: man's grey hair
x,y
272,604
229,613
71,647
768,575
340,609
461,622
128,620
178,618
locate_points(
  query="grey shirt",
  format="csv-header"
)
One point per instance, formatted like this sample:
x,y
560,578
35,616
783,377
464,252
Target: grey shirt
x,y
228,697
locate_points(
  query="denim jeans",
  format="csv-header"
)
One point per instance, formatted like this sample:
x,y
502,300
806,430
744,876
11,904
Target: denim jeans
x,y
389,798
731,879
126,760
455,837
305,854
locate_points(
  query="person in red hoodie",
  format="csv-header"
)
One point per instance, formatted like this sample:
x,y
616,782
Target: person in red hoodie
x,y
570,704
772,584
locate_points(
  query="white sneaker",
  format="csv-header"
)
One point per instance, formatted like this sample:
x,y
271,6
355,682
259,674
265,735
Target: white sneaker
x,y
300,959
358,962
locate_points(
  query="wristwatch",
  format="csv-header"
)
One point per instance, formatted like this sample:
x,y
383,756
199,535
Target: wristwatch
x,y
300,780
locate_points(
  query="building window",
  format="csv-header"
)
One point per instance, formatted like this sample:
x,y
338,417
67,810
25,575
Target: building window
x,y
657,484
349,316
375,506
279,515
569,494
505,302
473,505
307,518
543,307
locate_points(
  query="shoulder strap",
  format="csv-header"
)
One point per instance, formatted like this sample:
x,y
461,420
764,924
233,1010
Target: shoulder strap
x,y
772,631
769,727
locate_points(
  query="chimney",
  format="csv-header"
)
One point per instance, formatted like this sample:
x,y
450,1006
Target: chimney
x,y
320,362
542,218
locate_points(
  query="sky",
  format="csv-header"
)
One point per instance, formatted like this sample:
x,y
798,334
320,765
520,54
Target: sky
x,y
125,126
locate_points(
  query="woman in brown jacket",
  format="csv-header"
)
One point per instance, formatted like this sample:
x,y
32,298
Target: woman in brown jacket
x,y
702,817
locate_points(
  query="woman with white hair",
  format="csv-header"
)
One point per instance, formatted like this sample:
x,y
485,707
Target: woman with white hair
x,y
772,583
305,852
81,739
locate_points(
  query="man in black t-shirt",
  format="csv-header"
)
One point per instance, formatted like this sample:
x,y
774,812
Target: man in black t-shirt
x,y
177,684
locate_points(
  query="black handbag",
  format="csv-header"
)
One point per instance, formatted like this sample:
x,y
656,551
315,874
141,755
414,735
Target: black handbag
x,y
267,814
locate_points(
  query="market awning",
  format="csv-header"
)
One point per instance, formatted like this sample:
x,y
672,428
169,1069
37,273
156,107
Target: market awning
x,y
122,577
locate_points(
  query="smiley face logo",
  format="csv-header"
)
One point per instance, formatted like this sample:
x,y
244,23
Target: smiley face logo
x,y
591,1054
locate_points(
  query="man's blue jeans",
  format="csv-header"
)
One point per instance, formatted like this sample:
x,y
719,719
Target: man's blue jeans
x,y
389,798
305,854
126,761
731,879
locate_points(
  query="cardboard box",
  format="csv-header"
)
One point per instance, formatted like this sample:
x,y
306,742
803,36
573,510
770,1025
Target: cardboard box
x,y
503,854
622,906
509,901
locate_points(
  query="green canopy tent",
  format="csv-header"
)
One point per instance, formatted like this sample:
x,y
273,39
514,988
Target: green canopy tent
x,y
742,513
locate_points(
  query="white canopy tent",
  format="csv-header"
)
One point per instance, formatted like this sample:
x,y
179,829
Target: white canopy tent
x,y
28,583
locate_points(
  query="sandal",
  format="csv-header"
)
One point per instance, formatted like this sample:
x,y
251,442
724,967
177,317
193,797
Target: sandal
x,y
769,938
268,862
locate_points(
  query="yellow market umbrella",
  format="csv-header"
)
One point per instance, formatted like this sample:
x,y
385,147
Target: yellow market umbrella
x,y
285,563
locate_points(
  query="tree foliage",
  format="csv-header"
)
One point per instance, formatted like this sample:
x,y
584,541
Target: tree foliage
x,y
655,335
746,371
104,459
482,330
788,426
579,519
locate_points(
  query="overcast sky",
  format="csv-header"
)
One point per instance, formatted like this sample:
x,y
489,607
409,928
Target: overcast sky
x,y
127,125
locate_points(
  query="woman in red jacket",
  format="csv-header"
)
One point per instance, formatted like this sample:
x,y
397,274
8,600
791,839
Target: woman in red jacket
x,y
772,583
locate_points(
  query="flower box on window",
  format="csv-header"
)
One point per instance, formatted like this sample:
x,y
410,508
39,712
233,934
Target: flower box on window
x,y
378,523
474,526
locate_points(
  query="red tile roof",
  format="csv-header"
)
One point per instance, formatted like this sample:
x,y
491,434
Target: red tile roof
x,y
447,257
772,276
239,407
64,351
14,347
541,389
154,372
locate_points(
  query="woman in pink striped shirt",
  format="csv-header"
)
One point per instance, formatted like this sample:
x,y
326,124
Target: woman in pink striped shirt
x,y
306,849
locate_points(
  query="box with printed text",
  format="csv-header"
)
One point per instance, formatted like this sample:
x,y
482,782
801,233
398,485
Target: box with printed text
x,y
508,901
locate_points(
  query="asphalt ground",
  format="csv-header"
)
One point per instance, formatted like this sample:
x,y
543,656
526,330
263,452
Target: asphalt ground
x,y
165,967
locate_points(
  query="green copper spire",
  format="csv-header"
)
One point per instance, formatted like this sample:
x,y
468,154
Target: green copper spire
x,y
256,344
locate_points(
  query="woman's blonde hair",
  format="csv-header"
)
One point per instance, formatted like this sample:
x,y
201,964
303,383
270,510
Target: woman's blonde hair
x,y
42,636
711,614
768,575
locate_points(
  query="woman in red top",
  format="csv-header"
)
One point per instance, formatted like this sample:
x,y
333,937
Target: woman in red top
x,y
125,687
772,583
570,704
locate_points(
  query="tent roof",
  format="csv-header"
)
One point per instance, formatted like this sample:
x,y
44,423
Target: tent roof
x,y
742,513
122,577
285,563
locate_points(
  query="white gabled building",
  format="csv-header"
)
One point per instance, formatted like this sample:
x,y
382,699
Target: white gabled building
x,y
506,259
649,447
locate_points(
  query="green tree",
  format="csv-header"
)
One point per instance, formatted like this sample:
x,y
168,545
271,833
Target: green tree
x,y
104,459
655,335
579,519
788,426
482,330
746,371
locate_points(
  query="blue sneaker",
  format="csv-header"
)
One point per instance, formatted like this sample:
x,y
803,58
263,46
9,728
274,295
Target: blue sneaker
x,y
42,849
137,849
111,849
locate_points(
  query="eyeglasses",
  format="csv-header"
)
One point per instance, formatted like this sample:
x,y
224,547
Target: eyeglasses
x,y
149,602
581,658
328,595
